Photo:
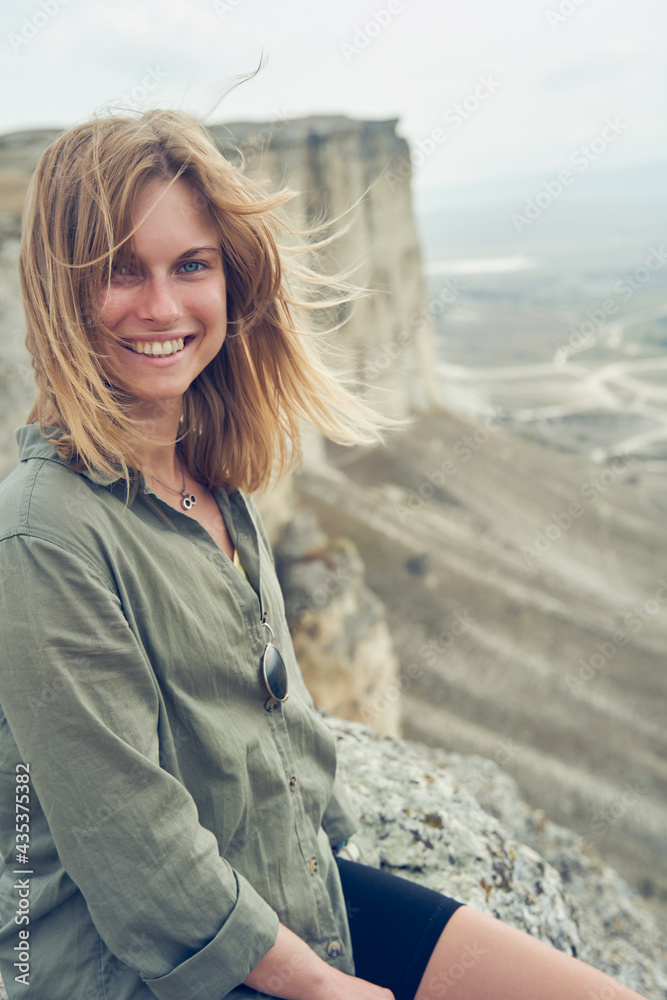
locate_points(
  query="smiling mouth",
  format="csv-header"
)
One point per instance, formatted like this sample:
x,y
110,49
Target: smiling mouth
x,y
156,348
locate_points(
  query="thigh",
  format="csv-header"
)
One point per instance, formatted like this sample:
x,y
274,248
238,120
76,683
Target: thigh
x,y
394,924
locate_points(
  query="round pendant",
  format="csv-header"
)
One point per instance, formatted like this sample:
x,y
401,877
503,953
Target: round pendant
x,y
188,501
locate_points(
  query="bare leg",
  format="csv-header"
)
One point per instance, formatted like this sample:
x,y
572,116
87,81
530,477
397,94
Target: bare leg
x,y
480,958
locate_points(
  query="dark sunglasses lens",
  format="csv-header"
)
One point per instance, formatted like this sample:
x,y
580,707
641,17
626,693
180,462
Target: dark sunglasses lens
x,y
275,673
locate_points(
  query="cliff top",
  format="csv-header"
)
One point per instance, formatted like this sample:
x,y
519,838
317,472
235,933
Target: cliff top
x,y
21,150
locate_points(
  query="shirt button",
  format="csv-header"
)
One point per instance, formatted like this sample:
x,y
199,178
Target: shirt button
x,y
294,784
334,949
312,866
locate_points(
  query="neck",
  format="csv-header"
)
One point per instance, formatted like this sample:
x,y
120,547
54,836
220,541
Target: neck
x,y
157,424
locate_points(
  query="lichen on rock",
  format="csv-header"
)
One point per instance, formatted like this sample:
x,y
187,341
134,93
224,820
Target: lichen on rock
x,y
427,815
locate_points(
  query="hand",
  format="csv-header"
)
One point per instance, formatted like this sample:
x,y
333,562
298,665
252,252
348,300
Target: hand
x,y
345,987
292,971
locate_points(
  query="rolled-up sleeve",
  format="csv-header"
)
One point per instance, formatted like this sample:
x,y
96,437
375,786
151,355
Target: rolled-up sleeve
x,y
127,831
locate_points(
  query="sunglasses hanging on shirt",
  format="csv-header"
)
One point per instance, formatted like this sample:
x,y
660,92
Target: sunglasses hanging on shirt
x,y
274,672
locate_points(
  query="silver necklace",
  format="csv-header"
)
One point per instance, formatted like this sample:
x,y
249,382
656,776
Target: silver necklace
x,y
188,500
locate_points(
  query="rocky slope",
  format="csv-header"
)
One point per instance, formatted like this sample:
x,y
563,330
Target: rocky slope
x,y
458,825
561,652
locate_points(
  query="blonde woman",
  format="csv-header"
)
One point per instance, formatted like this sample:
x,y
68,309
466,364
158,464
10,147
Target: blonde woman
x,y
170,815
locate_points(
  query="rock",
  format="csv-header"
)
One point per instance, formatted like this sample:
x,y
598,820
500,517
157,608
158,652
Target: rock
x,y
425,814
358,172
339,627
276,507
17,383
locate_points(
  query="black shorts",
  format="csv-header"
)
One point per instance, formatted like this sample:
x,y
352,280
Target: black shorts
x,y
394,924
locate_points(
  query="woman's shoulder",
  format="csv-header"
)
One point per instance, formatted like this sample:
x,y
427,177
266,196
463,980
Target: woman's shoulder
x,y
45,499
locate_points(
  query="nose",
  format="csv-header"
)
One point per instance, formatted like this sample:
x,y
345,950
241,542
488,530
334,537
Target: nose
x,y
159,304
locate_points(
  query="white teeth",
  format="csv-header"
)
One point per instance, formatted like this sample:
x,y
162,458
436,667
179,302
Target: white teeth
x,y
157,348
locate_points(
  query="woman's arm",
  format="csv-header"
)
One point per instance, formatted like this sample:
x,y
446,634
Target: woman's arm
x,y
84,709
293,971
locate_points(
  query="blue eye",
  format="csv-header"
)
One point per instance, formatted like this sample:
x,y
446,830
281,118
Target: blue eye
x,y
123,273
192,266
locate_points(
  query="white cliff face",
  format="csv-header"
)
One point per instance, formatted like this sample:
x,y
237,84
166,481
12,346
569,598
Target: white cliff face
x,y
17,385
458,825
358,172
19,154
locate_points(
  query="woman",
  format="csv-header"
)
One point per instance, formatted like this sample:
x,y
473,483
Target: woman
x,y
177,836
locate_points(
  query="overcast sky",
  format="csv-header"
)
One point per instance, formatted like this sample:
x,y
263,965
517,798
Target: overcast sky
x,y
534,79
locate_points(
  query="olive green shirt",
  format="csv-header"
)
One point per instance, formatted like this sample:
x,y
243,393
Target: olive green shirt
x,y
174,816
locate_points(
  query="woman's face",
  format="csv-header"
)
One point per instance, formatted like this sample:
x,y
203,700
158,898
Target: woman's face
x,y
168,301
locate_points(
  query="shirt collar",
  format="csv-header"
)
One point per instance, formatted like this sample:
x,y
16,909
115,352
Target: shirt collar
x,y
35,444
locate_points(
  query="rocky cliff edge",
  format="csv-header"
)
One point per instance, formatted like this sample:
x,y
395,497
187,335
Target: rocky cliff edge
x,y
458,825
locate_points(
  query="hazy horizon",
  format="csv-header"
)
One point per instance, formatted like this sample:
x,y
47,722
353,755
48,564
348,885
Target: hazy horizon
x,y
481,90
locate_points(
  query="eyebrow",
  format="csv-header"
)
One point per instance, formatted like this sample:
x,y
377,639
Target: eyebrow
x,y
186,255
196,251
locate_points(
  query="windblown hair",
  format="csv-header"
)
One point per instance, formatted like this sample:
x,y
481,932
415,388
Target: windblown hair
x,y
241,416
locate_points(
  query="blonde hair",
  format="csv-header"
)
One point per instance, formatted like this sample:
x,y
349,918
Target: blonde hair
x,y
241,415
